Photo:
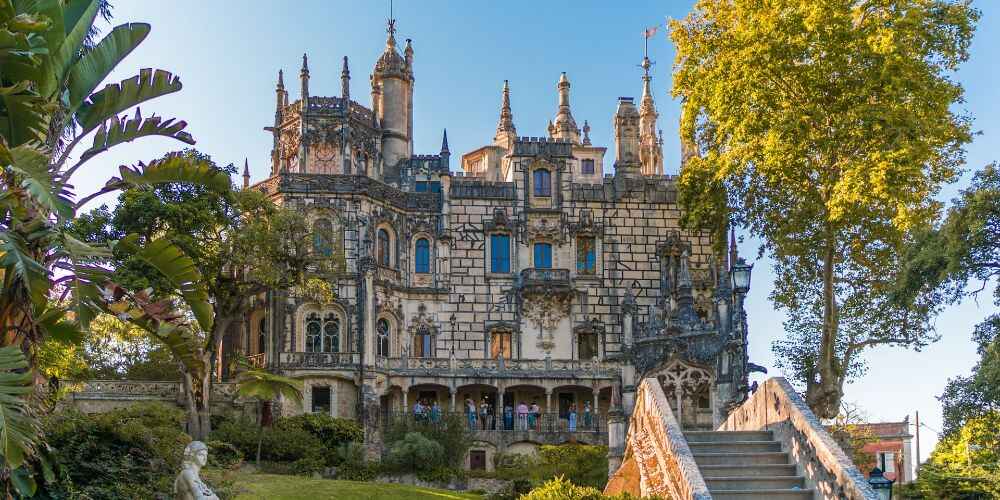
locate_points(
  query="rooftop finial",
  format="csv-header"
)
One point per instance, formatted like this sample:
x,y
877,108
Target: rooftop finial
x,y
246,173
281,80
586,133
732,246
391,25
305,64
345,81
506,124
444,143
304,76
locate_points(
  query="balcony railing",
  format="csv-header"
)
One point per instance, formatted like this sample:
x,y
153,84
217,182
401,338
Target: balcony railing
x,y
490,367
534,275
594,423
257,360
319,360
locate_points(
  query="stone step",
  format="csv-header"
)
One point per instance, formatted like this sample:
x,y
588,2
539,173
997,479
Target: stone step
x,y
755,483
735,447
725,436
755,470
762,494
774,457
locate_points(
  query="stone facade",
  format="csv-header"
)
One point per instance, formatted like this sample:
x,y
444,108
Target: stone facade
x,y
529,276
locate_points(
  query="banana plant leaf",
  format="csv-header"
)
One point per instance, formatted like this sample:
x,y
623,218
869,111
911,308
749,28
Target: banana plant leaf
x,y
33,167
18,429
175,169
16,259
97,63
115,98
118,131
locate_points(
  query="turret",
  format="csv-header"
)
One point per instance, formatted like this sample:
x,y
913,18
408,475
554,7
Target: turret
x,y
626,125
445,152
392,98
281,96
506,132
345,82
650,152
246,173
304,76
564,126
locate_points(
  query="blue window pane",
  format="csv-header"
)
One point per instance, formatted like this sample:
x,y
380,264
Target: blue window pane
x,y
427,352
499,253
435,186
420,187
587,167
543,256
423,264
543,182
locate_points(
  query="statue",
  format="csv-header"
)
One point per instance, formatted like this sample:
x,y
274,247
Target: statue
x,y
188,486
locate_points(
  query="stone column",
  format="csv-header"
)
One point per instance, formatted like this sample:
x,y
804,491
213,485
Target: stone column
x,y
453,392
406,404
616,439
548,400
368,330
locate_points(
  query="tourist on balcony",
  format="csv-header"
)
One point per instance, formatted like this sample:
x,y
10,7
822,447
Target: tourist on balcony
x,y
571,415
522,416
588,418
436,412
534,416
508,418
470,413
419,411
484,414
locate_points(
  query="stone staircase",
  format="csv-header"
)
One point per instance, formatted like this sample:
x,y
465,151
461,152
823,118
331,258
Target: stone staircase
x,y
746,465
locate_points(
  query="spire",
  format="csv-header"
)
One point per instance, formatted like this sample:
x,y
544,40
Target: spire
x,y
281,97
444,143
586,133
408,52
505,127
732,247
651,151
564,125
246,173
304,75
345,81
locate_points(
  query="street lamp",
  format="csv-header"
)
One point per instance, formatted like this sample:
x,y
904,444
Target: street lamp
x,y
881,485
741,276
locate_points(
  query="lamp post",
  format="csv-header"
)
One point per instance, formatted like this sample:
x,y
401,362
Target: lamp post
x,y
879,483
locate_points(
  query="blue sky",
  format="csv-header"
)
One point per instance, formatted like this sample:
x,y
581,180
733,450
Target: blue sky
x,y
228,53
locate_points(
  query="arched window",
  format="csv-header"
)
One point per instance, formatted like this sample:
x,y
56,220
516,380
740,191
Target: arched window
x,y
499,253
331,333
314,337
586,346
382,340
542,179
423,257
323,238
543,255
500,343
586,255
384,257
262,335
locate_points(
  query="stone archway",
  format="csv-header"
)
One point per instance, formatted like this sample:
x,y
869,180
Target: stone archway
x,y
688,388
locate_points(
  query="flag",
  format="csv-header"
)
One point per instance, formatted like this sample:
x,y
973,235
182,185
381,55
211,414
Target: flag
x,y
650,32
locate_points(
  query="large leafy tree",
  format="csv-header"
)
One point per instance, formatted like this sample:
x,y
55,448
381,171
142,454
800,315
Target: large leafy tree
x,y
54,120
825,128
958,258
239,242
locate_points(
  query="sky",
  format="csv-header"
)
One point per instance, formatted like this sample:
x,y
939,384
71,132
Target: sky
x,y
228,54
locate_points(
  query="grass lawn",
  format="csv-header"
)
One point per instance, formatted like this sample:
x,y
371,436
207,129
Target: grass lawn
x,y
276,487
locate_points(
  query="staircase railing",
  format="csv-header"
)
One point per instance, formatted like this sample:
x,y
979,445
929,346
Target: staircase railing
x,y
778,408
657,458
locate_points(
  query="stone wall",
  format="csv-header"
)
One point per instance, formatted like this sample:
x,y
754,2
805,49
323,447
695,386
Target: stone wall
x,y
98,396
778,408
657,458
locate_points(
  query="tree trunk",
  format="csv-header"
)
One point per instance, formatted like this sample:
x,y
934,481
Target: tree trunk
x,y
260,432
824,395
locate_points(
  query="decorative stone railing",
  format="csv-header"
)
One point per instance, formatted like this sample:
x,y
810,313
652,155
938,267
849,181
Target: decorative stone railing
x,y
776,407
499,367
321,360
128,390
657,459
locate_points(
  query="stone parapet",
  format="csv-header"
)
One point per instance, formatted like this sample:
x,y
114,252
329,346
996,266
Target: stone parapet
x,y
778,408
499,368
657,458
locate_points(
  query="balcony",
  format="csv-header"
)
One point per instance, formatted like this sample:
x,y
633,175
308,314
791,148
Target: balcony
x,y
319,360
544,428
257,360
540,368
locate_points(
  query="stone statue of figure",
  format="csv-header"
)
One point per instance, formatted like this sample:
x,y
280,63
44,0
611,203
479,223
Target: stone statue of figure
x,y
188,485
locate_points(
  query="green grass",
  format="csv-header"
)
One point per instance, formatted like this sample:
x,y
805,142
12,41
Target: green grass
x,y
276,487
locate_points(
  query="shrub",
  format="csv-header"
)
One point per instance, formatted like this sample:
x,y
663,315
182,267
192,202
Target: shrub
x,y
350,454
288,444
451,432
441,475
415,453
224,455
332,432
562,489
583,465
132,452
365,473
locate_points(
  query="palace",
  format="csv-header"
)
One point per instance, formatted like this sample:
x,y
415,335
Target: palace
x,y
526,276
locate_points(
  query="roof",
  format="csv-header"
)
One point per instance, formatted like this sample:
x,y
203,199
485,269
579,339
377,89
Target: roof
x,y
886,430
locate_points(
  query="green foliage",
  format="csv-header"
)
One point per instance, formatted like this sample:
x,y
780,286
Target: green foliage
x,y
224,455
287,443
18,429
451,432
825,129
562,489
127,453
583,465
415,453
965,464
339,435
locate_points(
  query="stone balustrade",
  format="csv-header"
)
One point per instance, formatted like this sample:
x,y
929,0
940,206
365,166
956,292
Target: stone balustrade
x,y
554,368
778,408
657,459
103,395
319,360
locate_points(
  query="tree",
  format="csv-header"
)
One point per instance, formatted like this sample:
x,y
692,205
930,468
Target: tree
x,y
239,242
824,128
264,387
850,429
964,249
965,464
50,70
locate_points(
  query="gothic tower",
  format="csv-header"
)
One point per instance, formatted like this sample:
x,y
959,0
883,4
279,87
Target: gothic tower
x,y
650,146
626,124
564,127
392,99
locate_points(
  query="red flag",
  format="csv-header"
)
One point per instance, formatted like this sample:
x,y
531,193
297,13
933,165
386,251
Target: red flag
x,y
650,32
